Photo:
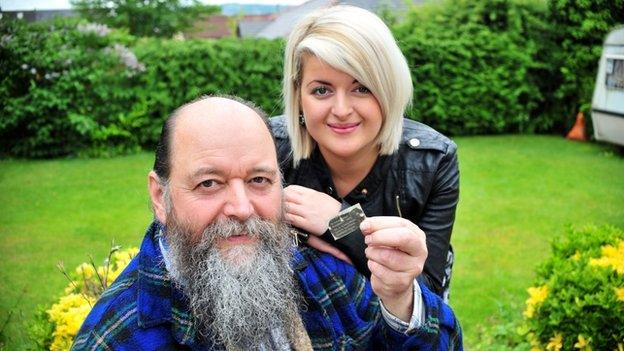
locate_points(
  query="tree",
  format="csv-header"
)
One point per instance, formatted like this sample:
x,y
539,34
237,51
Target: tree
x,y
160,18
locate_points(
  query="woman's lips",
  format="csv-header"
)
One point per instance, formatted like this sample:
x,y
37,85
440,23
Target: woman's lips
x,y
343,128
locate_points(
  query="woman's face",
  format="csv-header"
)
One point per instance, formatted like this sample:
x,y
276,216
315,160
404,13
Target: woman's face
x,y
342,115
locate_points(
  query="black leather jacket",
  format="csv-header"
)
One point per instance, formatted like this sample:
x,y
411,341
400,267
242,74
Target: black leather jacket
x,y
420,182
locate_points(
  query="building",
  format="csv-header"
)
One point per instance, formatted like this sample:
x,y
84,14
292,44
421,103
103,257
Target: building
x,y
283,24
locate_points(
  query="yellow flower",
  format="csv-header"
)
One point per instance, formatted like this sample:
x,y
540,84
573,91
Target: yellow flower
x,y
576,256
535,345
67,316
85,270
72,309
619,293
122,258
612,256
537,295
555,343
583,343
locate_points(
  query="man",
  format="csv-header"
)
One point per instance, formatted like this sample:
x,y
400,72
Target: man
x,y
217,269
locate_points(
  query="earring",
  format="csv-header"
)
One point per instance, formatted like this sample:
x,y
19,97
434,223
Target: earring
x,y
301,119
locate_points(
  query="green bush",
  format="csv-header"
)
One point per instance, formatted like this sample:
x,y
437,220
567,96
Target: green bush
x,y
74,88
501,66
473,65
577,300
583,292
64,88
180,71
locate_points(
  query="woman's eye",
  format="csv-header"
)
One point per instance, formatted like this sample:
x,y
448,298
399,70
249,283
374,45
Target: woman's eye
x,y
362,90
320,91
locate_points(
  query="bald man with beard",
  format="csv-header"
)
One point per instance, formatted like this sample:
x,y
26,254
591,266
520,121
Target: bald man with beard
x,y
218,269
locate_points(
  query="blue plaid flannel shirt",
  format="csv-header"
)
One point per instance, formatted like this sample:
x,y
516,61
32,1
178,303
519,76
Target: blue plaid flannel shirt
x,y
143,310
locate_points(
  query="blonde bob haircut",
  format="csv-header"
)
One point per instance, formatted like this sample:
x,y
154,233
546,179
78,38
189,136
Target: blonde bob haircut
x,y
357,42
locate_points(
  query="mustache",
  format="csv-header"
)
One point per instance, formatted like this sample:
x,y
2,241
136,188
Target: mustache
x,y
254,226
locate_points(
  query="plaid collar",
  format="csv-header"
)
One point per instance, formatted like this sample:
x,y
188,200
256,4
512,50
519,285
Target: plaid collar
x,y
159,301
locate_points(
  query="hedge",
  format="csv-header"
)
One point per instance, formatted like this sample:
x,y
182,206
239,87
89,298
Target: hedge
x,y
80,89
72,88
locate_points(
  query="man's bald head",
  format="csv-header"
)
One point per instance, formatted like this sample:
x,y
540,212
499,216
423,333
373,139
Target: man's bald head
x,y
217,108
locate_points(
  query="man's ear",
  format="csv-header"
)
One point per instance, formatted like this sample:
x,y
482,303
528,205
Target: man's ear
x,y
157,195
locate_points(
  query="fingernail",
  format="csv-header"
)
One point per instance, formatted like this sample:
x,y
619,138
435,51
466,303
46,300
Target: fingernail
x,y
367,239
364,226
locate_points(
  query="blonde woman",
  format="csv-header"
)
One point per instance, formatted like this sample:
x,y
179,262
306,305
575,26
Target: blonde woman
x,y
344,141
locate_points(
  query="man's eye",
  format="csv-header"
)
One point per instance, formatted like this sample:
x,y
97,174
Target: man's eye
x,y
260,180
207,183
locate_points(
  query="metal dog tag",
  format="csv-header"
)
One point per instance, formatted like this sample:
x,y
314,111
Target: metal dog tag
x,y
346,222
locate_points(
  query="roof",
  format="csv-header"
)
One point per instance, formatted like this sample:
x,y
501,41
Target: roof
x,y
250,25
615,37
285,21
212,26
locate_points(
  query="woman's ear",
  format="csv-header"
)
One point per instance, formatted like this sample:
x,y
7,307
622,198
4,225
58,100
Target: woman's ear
x,y
157,196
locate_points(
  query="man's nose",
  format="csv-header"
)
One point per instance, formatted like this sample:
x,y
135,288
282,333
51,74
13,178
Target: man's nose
x,y
238,204
342,105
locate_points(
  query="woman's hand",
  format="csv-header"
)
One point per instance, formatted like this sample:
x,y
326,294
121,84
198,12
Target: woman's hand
x,y
309,209
396,255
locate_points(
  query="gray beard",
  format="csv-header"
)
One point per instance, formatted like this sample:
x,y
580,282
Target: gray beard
x,y
238,297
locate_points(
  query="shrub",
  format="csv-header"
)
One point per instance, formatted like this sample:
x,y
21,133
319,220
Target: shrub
x,y
55,328
473,65
576,302
64,88
73,88
180,71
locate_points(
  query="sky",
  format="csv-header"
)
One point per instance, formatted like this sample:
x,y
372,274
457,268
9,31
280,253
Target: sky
x,y
12,5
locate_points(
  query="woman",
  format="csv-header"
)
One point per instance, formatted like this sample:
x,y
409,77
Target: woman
x,y
344,141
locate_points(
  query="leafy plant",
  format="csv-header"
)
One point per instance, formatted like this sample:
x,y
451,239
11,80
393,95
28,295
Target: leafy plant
x,y
473,65
55,328
577,300
64,85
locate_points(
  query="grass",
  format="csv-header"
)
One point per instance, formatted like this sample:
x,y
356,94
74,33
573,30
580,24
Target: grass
x,y
517,192
62,210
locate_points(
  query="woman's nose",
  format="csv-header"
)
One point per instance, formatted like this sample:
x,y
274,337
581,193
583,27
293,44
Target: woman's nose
x,y
342,105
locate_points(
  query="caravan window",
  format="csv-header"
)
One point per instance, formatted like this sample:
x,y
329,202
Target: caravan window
x,y
615,72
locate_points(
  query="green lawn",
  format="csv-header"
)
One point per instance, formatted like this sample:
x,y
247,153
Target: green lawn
x,y
517,192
